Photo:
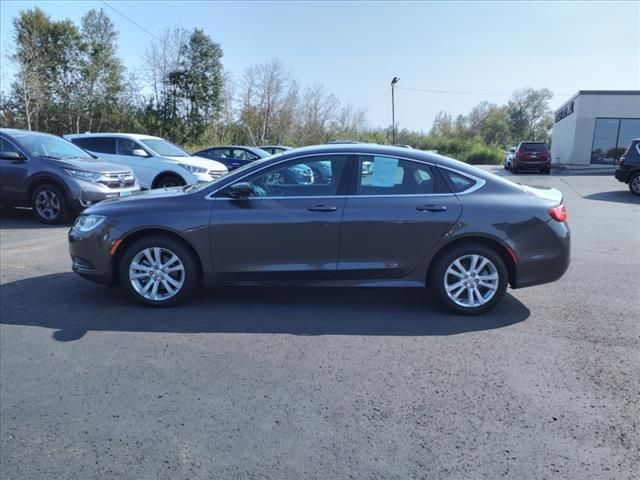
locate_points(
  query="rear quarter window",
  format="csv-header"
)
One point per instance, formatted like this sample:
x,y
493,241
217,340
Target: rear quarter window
x,y
457,182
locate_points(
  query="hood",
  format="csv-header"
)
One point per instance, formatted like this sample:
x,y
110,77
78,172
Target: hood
x,y
199,162
546,193
87,164
133,200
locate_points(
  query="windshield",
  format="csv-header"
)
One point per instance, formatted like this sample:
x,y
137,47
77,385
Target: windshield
x,y
43,145
163,148
260,153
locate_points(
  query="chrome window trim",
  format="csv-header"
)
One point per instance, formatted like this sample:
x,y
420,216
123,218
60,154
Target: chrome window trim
x,y
479,182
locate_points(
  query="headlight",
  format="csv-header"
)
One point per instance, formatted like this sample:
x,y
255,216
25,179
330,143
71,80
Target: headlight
x,y
84,175
86,223
193,169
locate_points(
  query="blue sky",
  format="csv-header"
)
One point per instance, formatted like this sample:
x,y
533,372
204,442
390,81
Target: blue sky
x,y
487,49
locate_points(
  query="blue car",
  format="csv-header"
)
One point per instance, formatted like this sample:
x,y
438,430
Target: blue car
x,y
235,156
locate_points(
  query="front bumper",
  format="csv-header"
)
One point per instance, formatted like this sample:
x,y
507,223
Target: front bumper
x,y
85,194
91,253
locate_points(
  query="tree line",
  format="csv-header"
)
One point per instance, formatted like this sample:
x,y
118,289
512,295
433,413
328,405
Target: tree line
x,y
69,79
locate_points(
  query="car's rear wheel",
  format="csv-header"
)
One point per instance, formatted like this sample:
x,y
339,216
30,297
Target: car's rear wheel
x,y
546,170
168,181
159,271
469,279
514,169
49,204
634,183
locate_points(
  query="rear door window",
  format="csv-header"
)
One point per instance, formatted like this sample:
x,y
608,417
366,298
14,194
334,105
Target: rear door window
x,y
97,144
380,175
126,146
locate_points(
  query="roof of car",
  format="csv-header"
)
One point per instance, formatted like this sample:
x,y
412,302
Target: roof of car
x,y
275,146
137,136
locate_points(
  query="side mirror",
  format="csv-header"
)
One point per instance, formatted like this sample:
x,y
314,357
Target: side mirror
x,y
15,156
241,190
138,152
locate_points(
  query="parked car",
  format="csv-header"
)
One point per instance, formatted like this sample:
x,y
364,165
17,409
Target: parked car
x,y
54,177
628,170
273,149
235,156
508,157
420,219
531,156
156,162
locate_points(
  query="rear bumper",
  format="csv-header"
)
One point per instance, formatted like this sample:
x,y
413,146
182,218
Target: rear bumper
x,y
622,175
544,254
533,164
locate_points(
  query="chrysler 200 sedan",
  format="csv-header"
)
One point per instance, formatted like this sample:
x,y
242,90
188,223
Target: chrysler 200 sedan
x,y
419,219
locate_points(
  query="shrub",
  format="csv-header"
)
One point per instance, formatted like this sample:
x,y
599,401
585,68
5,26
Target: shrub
x,y
486,155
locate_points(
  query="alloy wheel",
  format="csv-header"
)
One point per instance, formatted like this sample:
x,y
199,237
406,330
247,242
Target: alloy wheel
x,y
48,204
157,274
471,280
635,184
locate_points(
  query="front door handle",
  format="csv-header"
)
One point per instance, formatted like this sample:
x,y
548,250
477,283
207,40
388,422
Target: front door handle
x,y
432,208
322,208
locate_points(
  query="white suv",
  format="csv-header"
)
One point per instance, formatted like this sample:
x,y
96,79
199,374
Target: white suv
x,y
156,162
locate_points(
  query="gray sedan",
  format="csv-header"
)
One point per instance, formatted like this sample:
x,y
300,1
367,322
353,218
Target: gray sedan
x,y
419,219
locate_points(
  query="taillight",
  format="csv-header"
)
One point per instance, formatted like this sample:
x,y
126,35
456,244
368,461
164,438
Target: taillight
x,y
559,213
622,159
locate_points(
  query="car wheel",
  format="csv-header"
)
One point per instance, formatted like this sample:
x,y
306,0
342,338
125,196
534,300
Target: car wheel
x,y
634,184
514,169
546,170
159,271
49,204
469,279
168,181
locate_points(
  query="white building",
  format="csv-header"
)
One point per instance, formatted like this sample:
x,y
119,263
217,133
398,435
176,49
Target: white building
x,y
595,127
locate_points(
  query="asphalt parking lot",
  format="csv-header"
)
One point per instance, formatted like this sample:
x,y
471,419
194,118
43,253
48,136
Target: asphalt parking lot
x,y
326,383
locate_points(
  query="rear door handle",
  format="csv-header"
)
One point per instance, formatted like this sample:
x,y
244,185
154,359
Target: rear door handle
x,y
322,208
432,208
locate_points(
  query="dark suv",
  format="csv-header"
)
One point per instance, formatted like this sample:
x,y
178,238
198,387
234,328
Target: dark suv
x,y
532,155
54,177
628,170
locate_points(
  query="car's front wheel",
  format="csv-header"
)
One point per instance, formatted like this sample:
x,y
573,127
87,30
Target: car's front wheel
x,y
634,183
469,279
49,204
159,271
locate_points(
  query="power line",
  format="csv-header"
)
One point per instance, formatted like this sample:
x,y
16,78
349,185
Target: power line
x,y
454,92
132,21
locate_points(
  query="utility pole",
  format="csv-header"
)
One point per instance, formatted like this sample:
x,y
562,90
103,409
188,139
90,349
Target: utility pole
x,y
393,109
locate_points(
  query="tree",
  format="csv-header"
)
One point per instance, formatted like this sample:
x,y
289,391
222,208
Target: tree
x,y
528,109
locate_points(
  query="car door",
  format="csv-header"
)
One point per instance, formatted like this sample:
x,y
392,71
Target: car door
x,y
13,174
144,168
396,212
286,229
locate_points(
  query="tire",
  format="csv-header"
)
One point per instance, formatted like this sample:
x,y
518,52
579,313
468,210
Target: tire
x,y
546,170
49,204
169,181
514,169
445,273
141,252
634,183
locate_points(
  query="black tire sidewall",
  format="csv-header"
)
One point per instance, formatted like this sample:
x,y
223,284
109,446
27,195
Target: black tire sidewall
x,y
64,211
444,260
177,247
631,179
177,180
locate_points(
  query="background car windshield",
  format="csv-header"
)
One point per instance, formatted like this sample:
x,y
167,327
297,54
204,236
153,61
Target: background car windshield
x,y
38,144
164,148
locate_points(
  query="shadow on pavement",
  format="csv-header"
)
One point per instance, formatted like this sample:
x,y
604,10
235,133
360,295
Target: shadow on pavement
x,y
72,307
618,196
23,218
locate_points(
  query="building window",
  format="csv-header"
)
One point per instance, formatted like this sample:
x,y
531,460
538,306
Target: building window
x,y
611,138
